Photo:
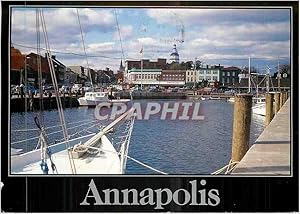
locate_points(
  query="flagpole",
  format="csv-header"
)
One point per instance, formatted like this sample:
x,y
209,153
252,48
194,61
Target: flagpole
x,y
142,68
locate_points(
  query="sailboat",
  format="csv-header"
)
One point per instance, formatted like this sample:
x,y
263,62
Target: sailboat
x,y
90,154
94,98
259,102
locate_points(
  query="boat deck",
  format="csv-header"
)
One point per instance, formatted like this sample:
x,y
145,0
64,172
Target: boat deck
x,y
103,162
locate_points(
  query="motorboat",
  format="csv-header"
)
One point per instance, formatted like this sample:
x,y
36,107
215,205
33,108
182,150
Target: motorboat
x,y
94,98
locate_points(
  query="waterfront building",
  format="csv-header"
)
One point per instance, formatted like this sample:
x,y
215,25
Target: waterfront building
x,y
106,76
204,73
147,76
230,76
133,69
191,76
30,71
152,73
172,78
174,57
59,68
79,70
70,77
16,66
210,73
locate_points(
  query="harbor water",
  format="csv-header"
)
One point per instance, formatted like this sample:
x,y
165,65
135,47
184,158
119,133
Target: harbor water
x,y
171,146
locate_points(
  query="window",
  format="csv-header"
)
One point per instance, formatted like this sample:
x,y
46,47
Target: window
x,y
223,80
188,79
208,72
201,72
223,73
188,73
228,80
208,78
215,78
233,73
228,73
215,72
201,78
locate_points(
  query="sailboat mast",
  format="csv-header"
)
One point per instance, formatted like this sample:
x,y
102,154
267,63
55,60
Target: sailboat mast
x,y
249,76
83,44
278,75
57,96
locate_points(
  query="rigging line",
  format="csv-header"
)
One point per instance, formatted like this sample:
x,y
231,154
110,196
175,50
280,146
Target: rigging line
x,y
52,133
50,127
69,53
83,130
83,44
131,158
39,67
130,58
120,37
53,77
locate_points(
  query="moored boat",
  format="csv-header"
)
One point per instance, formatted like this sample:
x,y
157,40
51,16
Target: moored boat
x,y
95,98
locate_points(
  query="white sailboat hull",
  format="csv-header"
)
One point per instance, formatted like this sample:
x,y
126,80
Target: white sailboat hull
x,y
86,102
105,162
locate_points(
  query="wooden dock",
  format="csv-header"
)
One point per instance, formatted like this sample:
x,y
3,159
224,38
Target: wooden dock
x,y
271,153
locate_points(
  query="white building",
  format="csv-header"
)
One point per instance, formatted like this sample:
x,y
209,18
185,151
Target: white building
x,y
191,76
209,73
146,76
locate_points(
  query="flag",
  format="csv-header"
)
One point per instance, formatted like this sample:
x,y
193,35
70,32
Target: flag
x,y
141,51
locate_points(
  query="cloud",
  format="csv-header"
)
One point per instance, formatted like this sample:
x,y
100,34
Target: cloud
x,y
213,16
62,24
210,34
125,31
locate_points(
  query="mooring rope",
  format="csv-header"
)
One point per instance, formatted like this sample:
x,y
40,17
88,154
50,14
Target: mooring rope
x,y
227,168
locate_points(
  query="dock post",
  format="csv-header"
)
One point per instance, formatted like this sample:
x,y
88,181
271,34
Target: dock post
x,y
277,102
241,126
269,108
281,99
285,97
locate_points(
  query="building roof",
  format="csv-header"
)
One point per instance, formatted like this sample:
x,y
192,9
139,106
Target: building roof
x,y
145,70
31,61
231,68
17,59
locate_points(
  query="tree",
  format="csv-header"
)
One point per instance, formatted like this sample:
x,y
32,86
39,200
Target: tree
x,y
285,68
246,70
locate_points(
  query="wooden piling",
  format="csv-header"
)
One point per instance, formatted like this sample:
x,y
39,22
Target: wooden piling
x,y
269,108
277,102
281,98
285,97
241,126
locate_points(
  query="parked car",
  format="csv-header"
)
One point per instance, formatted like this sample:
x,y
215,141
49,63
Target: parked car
x,y
48,89
64,89
76,88
14,89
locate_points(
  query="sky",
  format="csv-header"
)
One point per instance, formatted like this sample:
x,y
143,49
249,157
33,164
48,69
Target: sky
x,y
213,36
